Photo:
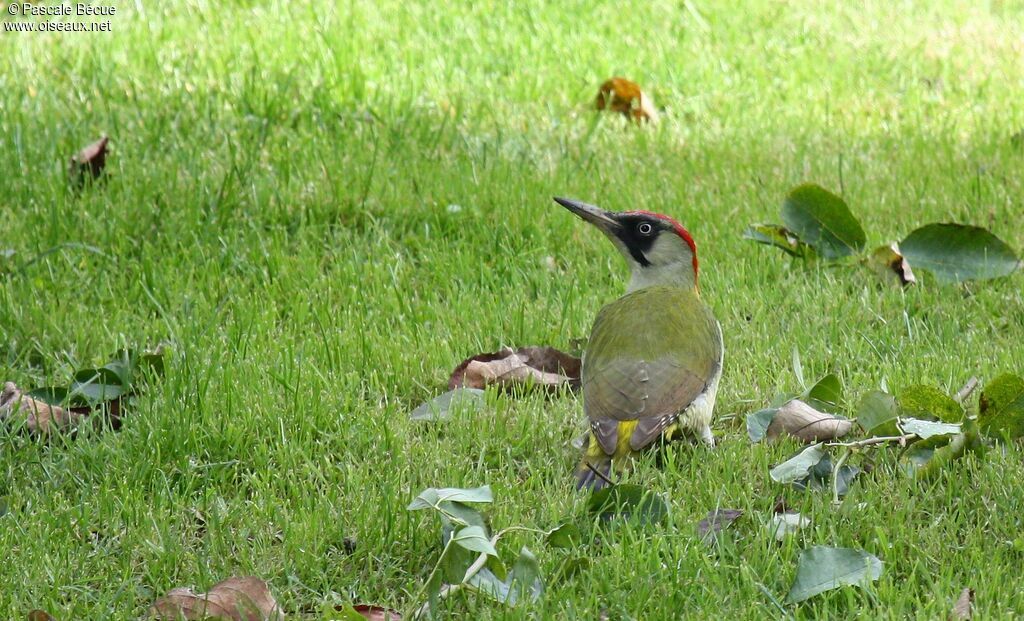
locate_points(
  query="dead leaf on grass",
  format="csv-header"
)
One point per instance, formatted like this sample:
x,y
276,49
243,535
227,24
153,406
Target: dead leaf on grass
x,y
40,615
963,608
716,521
377,613
625,97
89,162
542,366
37,416
807,424
891,266
244,598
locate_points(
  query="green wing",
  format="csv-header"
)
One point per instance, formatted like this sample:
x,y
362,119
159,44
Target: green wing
x,y
651,353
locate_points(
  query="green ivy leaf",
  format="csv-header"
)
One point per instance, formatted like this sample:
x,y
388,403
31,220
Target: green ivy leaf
x,y
926,462
431,497
758,423
443,405
564,536
823,221
957,252
929,403
826,394
778,236
1001,407
822,569
877,414
628,501
474,538
798,466
526,581
925,429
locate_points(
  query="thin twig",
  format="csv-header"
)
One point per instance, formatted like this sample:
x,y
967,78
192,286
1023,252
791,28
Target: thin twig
x,y
963,393
835,474
901,440
599,475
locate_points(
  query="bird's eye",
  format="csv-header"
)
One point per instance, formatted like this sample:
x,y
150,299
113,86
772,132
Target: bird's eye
x,y
645,228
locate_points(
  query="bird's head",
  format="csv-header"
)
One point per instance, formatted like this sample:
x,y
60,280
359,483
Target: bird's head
x,y
658,249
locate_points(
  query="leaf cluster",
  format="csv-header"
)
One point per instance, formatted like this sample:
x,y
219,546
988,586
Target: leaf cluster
x,y
819,224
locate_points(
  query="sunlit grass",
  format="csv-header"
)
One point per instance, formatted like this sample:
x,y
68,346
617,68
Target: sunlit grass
x,y
279,211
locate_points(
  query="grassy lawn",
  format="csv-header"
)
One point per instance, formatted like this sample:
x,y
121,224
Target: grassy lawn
x,y
323,208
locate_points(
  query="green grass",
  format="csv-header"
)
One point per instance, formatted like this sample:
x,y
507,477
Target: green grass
x,y
278,211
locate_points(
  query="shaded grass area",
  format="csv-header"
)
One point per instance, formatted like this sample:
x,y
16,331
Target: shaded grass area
x,y
323,209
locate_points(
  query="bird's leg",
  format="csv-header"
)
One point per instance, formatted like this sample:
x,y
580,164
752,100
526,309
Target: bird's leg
x,y
706,437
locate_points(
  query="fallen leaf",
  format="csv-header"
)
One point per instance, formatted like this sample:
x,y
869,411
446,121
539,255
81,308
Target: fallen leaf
x,y
807,424
925,429
36,415
778,236
716,521
628,501
564,536
798,466
442,406
822,220
781,506
821,569
543,366
826,394
625,97
929,403
432,497
89,162
237,599
40,615
963,608
819,477
877,414
781,525
891,266
474,539
377,613
956,252
758,423
1001,407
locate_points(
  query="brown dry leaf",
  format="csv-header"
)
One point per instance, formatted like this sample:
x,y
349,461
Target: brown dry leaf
x,y
38,416
807,424
625,97
40,615
963,608
244,598
89,162
716,521
377,613
544,366
889,265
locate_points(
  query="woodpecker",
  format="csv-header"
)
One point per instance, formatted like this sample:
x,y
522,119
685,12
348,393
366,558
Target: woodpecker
x,y
654,358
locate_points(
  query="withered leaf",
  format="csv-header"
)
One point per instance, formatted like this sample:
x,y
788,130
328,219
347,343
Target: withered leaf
x,y
542,366
244,598
963,608
625,97
89,162
37,416
807,424
376,613
716,521
891,266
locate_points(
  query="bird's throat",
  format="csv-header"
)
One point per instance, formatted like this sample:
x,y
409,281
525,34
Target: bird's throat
x,y
679,274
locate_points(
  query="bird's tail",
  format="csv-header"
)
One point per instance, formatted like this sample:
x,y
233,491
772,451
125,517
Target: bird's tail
x,y
594,472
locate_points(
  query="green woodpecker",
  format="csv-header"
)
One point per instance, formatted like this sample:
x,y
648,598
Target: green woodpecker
x,y
654,357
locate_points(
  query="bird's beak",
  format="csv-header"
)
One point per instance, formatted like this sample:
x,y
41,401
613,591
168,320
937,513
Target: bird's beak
x,y
604,220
